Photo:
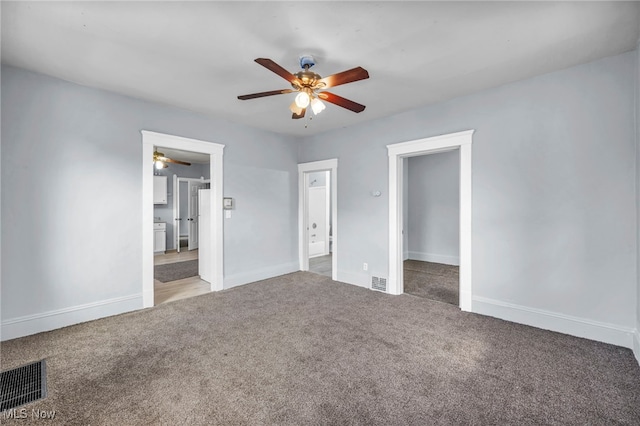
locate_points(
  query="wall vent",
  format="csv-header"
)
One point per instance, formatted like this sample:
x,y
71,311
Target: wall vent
x,y
379,284
23,385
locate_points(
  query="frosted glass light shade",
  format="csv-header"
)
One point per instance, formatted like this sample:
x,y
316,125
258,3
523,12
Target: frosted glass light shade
x,y
295,108
302,100
317,106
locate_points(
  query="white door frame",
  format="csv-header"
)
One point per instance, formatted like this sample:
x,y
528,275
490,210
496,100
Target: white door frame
x,y
215,151
193,223
176,206
304,169
397,152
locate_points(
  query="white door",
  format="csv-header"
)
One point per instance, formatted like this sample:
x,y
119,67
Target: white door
x,y
204,255
192,213
318,243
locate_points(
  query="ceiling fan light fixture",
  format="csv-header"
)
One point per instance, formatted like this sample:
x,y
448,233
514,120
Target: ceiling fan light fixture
x,y
295,108
302,100
160,165
317,106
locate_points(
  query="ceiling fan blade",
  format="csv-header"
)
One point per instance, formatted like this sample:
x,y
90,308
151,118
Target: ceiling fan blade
x,y
340,101
354,74
263,94
301,115
170,160
272,66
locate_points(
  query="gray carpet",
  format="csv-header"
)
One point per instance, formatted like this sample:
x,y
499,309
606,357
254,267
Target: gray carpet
x,y
302,349
434,281
175,271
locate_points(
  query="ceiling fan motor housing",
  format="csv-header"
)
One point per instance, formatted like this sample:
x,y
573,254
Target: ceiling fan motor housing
x,y
306,61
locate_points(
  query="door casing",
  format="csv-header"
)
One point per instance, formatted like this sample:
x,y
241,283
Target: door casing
x,y
397,152
304,169
215,151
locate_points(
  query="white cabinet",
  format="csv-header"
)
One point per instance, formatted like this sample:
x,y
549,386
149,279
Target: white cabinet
x,y
159,237
159,190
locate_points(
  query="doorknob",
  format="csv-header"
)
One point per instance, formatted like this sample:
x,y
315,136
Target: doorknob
x,y
314,226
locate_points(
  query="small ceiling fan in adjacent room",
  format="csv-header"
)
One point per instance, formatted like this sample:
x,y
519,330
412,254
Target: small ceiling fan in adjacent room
x,y
161,161
310,87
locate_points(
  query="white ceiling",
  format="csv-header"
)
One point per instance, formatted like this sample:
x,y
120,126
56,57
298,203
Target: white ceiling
x,y
199,55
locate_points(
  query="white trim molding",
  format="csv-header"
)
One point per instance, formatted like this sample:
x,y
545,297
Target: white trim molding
x,y
433,257
330,165
397,152
561,323
636,343
31,324
215,151
243,278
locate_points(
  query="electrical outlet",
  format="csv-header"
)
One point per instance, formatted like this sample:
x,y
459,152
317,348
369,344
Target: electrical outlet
x,y
365,266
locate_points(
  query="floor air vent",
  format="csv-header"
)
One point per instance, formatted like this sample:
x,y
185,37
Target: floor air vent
x,y
23,385
378,283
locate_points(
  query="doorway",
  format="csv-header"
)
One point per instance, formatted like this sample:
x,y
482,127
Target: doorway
x,y
319,222
431,226
214,227
397,153
317,217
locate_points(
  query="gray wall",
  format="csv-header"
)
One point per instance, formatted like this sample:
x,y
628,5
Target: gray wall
x,y
165,211
553,215
71,193
433,191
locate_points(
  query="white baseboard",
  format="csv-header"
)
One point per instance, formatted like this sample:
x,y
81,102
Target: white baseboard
x,y
636,343
435,258
574,326
259,274
50,320
361,280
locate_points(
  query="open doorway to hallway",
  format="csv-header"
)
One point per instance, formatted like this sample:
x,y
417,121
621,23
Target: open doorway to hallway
x,y
432,228
210,251
319,222
177,220
317,217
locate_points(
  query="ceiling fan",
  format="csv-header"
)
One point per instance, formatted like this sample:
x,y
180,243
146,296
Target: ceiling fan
x,y
161,161
308,84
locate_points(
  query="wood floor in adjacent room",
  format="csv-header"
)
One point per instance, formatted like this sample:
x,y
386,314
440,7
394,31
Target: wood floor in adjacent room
x,y
321,265
179,289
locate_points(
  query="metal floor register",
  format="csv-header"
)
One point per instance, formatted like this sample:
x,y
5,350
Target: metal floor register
x,y
23,385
